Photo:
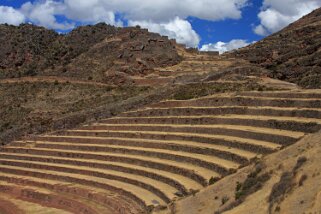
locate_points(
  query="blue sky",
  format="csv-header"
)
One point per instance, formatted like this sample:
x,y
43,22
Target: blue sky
x,y
220,25
227,30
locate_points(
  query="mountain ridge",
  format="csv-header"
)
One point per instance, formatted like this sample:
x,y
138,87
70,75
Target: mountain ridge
x,y
29,50
292,54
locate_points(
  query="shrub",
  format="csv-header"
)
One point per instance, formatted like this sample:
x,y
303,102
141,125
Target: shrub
x,y
300,162
282,187
238,186
225,199
213,180
286,183
253,183
29,72
302,179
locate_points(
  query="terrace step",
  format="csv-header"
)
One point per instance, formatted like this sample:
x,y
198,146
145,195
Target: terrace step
x,y
194,172
249,132
136,193
284,94
205,141
219,165
98,198
296,124
154,186
48,199
221,110
175,180
11,205
235,100
152,156
206,148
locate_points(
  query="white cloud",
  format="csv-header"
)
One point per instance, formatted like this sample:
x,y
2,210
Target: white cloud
x,y
11,16
260,30
224,47
178,29
157,11
90,11
276,14
167,17
165,10
44,13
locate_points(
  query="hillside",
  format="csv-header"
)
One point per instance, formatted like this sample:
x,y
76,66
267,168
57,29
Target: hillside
x,y
124,121
285,182
50,81
101,52
293,54
216,153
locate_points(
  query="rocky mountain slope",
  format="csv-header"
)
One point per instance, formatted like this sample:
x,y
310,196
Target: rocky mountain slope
x,y
102,53
293,54
50,80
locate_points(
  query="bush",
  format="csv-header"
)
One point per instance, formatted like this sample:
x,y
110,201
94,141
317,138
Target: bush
x,y
213,180
300,162
286,183
302,179
29,72
253,183
225,199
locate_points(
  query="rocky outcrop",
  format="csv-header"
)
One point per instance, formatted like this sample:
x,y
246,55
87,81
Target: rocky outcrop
x,y
86,53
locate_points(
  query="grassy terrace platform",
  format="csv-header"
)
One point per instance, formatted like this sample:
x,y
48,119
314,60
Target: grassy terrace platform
x,y
147,158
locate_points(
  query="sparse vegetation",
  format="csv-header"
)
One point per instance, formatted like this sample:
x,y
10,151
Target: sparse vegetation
x,y
225,199
28,50
196,90
253,183
297,59
286,184
213,180
299,163
33,107
303,179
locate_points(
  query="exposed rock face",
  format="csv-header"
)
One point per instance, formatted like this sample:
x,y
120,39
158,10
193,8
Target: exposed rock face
x,y
293,54
25,49
29,50
129,52
89,52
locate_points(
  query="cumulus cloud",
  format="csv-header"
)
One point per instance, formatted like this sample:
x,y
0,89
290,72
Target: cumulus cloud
x,y
224,47
157,11
11,16
165,10
260,30
92,11
44,13
276,14
178,29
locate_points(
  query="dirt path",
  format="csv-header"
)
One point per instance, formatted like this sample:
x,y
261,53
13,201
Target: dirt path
x,y
51,79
